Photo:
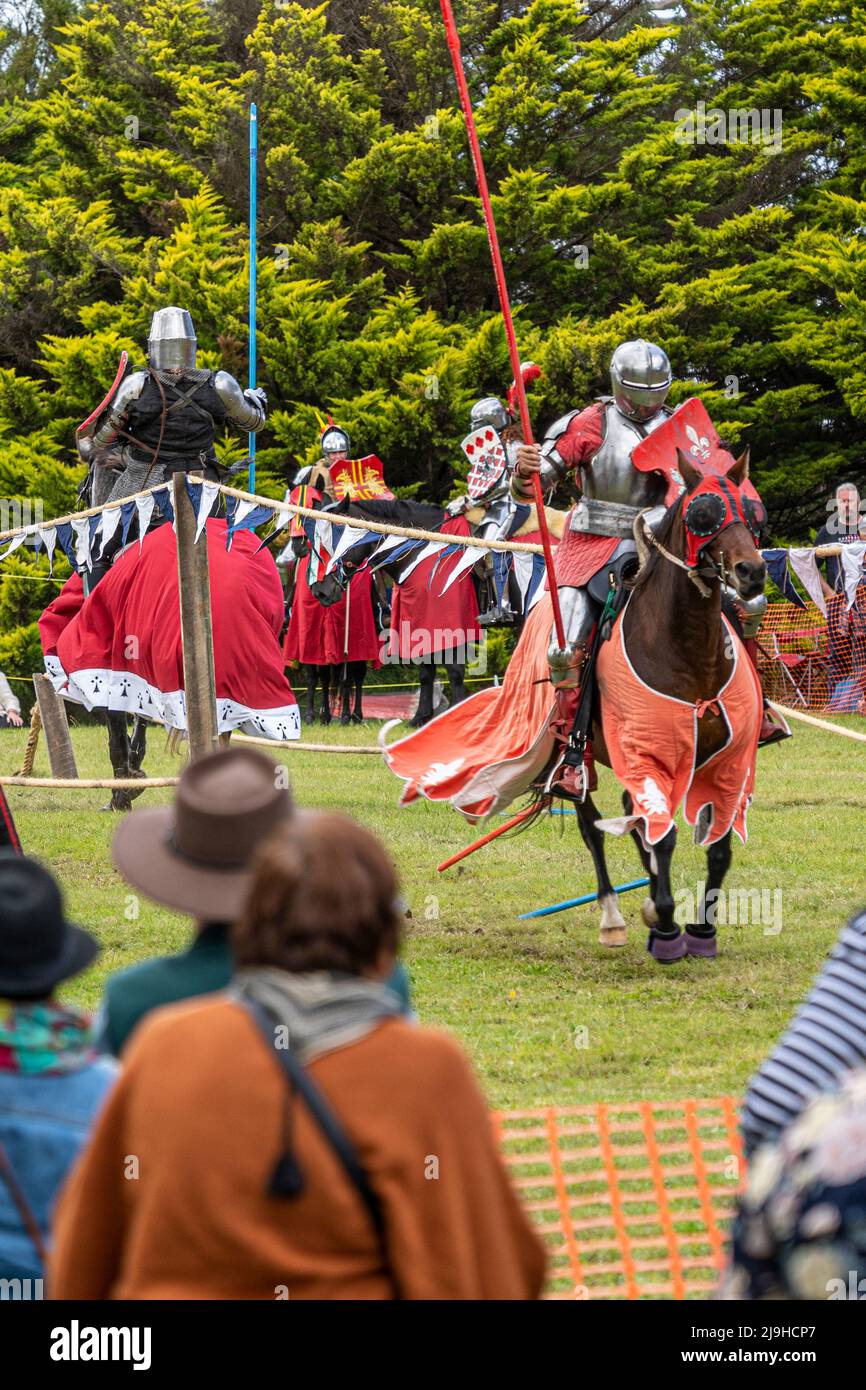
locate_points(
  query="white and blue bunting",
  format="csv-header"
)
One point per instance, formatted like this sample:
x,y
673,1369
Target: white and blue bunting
x,y
83,540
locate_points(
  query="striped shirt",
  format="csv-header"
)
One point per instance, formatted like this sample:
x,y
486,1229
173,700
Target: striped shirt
x,y
827,1037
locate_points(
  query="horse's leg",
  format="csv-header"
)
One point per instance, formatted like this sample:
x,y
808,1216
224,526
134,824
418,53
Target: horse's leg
x,y
456,681
666,942
613,927
701,935
648,908
310,703
426,678
325,677
343,687
118,750
359,672
137,750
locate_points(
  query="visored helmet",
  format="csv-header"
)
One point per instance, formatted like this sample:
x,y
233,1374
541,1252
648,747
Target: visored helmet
x,y
335,440
489,411
640,378
171,342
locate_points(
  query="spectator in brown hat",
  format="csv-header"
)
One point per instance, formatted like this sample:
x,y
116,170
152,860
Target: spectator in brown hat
x,y
194,856
298,1138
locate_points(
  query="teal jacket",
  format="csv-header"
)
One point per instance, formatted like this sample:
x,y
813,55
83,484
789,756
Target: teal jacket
x,y
204,968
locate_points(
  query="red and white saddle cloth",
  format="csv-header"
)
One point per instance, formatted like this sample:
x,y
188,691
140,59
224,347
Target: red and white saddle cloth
x,y
121,648
652,743
489,749
482,753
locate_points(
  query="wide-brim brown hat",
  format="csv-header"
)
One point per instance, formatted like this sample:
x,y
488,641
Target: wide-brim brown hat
x,y
195,855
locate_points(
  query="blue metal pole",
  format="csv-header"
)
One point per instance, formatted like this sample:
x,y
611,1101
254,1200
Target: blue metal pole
x,y
579,902
254,146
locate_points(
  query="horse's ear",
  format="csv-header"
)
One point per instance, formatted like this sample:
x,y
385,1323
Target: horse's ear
x,y
739,471
689,474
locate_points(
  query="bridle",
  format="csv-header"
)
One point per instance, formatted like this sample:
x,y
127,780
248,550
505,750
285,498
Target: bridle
x,y
725,507
709,570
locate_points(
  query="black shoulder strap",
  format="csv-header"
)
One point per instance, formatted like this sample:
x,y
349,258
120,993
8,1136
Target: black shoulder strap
x,y
321,1111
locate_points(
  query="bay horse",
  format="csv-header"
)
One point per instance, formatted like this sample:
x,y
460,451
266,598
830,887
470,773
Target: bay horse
x,y
678,645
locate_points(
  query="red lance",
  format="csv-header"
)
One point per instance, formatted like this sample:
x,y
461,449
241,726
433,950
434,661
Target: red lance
x,y
505,304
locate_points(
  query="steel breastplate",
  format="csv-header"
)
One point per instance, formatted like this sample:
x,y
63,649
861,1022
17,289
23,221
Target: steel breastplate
x,y
610,475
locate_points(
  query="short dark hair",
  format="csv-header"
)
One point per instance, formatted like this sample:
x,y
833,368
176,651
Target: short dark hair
x,y
323,897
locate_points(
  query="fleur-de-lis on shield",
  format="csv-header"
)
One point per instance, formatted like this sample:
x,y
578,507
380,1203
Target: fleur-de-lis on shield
x,y
700,445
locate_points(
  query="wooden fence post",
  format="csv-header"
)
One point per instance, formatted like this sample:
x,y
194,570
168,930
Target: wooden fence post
x,y
52,712
193,580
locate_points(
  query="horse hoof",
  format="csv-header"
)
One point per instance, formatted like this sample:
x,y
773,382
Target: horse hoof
x,y
613,924
666,949
357,718
704,946
649,914
419,720
345,720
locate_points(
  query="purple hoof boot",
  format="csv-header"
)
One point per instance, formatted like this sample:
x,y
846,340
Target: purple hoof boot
x,y
666,949
705,946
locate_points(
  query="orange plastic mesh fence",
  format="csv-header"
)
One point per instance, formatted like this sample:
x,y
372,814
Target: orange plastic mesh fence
x,y
815,663
632,1201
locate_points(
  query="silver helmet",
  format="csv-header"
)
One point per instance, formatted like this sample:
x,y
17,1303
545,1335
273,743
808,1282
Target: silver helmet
x,y
640,376
171,341
489,411
335,440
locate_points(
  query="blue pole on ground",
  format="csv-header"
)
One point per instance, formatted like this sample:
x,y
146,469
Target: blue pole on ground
x,y
254,145
579,902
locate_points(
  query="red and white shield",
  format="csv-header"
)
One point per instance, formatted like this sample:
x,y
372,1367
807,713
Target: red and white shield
x,y
689,428
487,461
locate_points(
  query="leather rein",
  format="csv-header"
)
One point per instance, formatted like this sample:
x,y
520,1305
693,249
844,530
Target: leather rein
x,y
709,570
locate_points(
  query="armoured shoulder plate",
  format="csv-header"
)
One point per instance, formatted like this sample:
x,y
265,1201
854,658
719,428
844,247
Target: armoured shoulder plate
x,y
558,428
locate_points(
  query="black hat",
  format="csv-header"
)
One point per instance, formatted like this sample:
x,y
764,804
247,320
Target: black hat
x,y
38,947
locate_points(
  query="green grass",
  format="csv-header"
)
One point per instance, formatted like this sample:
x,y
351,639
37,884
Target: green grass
x,y
516,993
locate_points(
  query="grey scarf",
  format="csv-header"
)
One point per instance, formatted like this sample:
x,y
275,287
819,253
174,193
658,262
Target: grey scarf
x,y
322,1010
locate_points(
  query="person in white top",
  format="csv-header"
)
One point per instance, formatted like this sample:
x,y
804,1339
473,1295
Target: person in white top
x,y
9,704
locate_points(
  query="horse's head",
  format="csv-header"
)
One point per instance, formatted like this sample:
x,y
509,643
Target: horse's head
x,y
723,517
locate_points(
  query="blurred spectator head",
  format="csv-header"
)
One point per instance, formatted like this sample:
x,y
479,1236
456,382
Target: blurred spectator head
x,y
39,948
195,854
323,897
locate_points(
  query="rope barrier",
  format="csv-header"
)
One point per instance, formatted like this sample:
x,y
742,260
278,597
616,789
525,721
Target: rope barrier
x,y
69,784
411,533
819,723
381,528
303,747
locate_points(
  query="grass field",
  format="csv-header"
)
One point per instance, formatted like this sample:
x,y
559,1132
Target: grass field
x,y
547,1014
